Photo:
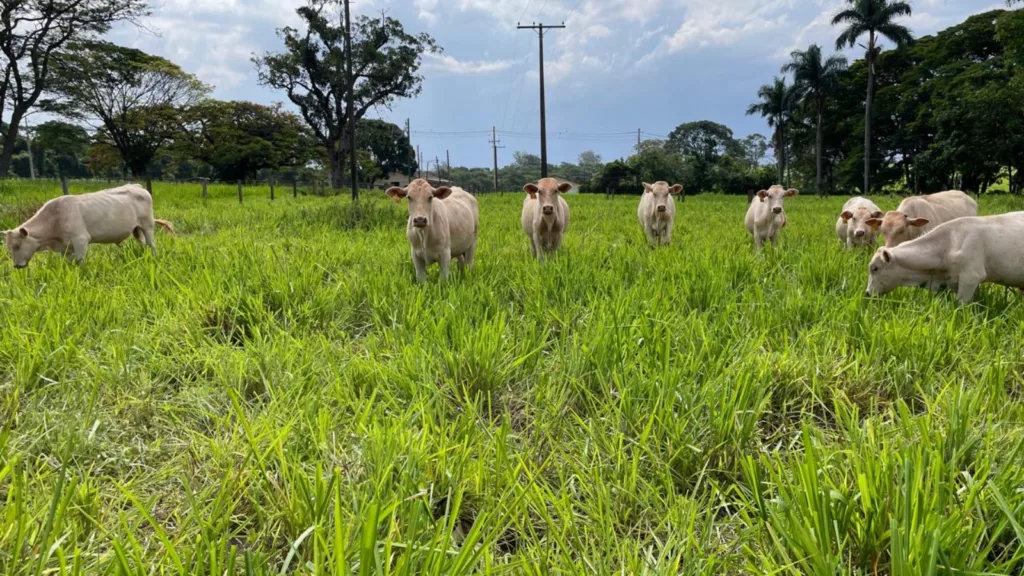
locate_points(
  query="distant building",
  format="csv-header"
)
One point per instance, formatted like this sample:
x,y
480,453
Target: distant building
x,y
403,180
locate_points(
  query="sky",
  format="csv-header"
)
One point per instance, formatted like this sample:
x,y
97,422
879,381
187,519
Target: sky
x,y
618,66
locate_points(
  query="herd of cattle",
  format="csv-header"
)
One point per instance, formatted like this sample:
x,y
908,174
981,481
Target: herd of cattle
x,y
935,241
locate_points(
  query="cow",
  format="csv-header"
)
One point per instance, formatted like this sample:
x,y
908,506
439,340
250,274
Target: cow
x,y
917,215
960,254
852,226
443,224
765,216
657,211
68,224
545,215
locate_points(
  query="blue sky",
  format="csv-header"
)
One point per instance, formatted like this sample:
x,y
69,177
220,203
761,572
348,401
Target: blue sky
x,y
619,66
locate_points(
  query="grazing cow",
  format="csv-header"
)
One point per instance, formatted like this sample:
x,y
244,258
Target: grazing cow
x,y
657,211
443,224
765,216
916,215
68,224
545,215
852,227
960,254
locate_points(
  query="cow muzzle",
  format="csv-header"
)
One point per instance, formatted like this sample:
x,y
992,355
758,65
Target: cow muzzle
x,y
548,210
419,222
777,210
859,233
662,209
20,266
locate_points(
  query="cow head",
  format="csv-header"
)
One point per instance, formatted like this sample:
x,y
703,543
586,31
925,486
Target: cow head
x,y
884,273
20,246
421,195
662,194
774,197
547,191
857,223
897,227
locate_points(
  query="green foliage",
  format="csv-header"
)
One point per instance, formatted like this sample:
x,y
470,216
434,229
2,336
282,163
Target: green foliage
x,y
137,99
656,162
311,71
62,146
388,146
267,398
238,139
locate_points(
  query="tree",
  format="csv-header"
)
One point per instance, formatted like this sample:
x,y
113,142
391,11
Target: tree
x,y
655,161
31,33
703,143
311,71
388,147
134,99
617,176
589,159
238,139
876,19
64,144
775,105
755,148
815,78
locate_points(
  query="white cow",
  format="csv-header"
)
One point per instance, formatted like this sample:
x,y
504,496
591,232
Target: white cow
x,y
852,227
545,215
68,224
657,211
765,216
960,255
443,224
916,215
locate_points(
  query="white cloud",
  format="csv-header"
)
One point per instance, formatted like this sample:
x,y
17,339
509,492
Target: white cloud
x,y
451,65
426,10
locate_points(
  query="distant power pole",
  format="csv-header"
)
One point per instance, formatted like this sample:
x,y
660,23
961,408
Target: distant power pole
x,y
540,28
419,162
494,145
408,135
351,112
437,168
637,140
448,163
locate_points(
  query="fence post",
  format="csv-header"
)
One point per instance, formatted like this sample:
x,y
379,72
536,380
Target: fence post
x,y
149,185
271,189
205,181
295,187
64,184
239,191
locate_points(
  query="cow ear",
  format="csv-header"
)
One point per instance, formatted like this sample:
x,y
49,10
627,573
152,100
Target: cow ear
x,y
531,189
878,215
564,187
846,216
675,189
647,187
875,223
762,195
918,222
396,194
442,192
23,232
887,256
792,192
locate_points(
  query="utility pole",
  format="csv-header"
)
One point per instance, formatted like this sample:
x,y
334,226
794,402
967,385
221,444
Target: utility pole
x,y
637,140
351,112
448,164
494,145
408,136
419,162
437,168
540,28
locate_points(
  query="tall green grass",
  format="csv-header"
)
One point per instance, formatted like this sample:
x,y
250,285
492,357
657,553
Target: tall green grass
x,y
274,395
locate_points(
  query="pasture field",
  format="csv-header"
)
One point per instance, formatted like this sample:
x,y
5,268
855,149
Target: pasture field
x,y
273,395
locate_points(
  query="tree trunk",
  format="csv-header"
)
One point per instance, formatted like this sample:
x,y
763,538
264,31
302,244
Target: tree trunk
x,y
9,142
336,158
867,113
820,147
780,154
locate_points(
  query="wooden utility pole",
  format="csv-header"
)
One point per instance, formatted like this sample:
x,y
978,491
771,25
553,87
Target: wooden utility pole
x,y
494,146
540,28
351,112
419,162
637,140
448,165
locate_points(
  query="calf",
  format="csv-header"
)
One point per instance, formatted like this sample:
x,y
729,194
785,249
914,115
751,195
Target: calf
x,y
657,211
68,224
765,216
852,227
545,215
916,215
960,254
443,224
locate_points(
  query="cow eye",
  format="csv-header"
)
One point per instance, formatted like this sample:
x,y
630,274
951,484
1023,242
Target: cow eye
x,y
874,268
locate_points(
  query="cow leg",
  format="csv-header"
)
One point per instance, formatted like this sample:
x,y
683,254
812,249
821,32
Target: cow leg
x,y
652,238
80,246
421,267
666,236
968,286
445,261
150,239
469,256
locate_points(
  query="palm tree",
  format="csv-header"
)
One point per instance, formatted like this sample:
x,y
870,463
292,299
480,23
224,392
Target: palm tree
x,y
776,104
876,18
814,80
